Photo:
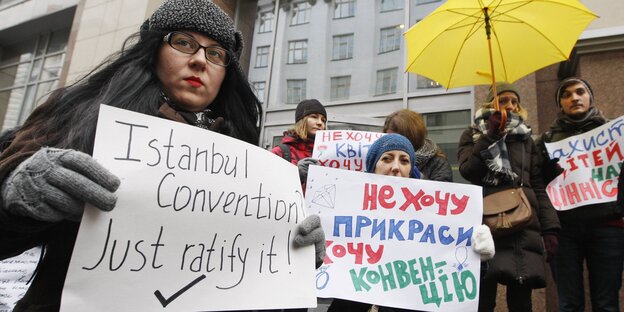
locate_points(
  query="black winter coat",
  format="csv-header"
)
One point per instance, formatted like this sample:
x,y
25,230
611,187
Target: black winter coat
x,y
437,168
519,257
18,234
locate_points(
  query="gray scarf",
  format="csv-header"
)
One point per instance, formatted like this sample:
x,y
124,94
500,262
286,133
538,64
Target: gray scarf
x,y
425,153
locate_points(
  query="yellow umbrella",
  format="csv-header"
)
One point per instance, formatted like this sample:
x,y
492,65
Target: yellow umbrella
x,y
453,45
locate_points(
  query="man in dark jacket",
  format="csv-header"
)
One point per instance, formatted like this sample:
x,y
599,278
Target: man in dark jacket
x,y
592,233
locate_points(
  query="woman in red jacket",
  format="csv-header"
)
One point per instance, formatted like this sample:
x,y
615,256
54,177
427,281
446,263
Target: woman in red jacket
x,y
298,142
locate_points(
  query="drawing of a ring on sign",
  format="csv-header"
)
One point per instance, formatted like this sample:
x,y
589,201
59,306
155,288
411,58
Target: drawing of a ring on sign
x,y
461,255
325,197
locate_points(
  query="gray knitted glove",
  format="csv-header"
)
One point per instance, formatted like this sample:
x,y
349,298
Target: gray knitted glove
x,y
53,185
309,232
303,165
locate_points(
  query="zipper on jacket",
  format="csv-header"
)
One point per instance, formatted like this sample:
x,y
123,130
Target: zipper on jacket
x,y
517,249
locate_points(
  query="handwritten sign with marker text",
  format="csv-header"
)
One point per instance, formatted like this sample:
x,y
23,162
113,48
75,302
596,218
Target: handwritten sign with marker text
x,y
344,149
199,225
591,163
396,242
15,275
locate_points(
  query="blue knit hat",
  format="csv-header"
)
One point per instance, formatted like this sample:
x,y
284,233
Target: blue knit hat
x,y
390,142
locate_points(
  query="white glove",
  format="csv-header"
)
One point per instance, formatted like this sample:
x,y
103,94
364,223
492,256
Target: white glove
x,y
483,243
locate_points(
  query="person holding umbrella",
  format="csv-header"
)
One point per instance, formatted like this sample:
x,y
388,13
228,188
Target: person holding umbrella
x,y
592,233
497,160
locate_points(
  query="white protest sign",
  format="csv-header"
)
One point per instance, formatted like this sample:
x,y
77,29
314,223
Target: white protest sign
x,y
344,149
202,223
14,274
397,242
591,163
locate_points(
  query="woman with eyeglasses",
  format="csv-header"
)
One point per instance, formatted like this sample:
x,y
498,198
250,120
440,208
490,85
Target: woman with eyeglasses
x,y
499,158
182,65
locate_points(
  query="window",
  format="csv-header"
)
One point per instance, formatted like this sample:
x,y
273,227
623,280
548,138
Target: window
x,y
29,70
340,87
425,1
457,119
296,91
262,56
390,39
266,22
444,128
300,13
386,81
344,8
259,88
298,52
390,5
343,47
426,83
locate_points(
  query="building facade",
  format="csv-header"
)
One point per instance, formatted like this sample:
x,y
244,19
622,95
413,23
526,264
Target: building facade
x,y
350,55
34,47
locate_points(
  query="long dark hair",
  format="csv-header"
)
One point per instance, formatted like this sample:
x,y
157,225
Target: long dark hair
x,y
126,79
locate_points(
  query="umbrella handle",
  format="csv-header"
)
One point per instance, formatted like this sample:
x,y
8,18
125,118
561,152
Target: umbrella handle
x,y
498,108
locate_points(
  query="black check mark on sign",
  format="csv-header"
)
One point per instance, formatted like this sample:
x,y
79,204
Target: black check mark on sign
x,y
165,302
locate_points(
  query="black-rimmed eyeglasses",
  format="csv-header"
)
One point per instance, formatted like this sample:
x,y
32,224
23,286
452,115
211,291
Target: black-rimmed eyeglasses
x,y
187,44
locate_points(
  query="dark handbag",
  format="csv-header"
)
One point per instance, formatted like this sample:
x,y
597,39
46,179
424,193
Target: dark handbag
x,y
508,211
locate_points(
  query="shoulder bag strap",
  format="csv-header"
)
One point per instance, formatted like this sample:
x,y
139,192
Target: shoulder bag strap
x,y
285,151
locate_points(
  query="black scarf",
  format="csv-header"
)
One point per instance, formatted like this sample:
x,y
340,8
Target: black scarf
x,y
592,119
171,110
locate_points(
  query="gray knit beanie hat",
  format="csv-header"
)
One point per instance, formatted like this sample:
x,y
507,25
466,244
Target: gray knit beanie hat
x,y
571,81
201,16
